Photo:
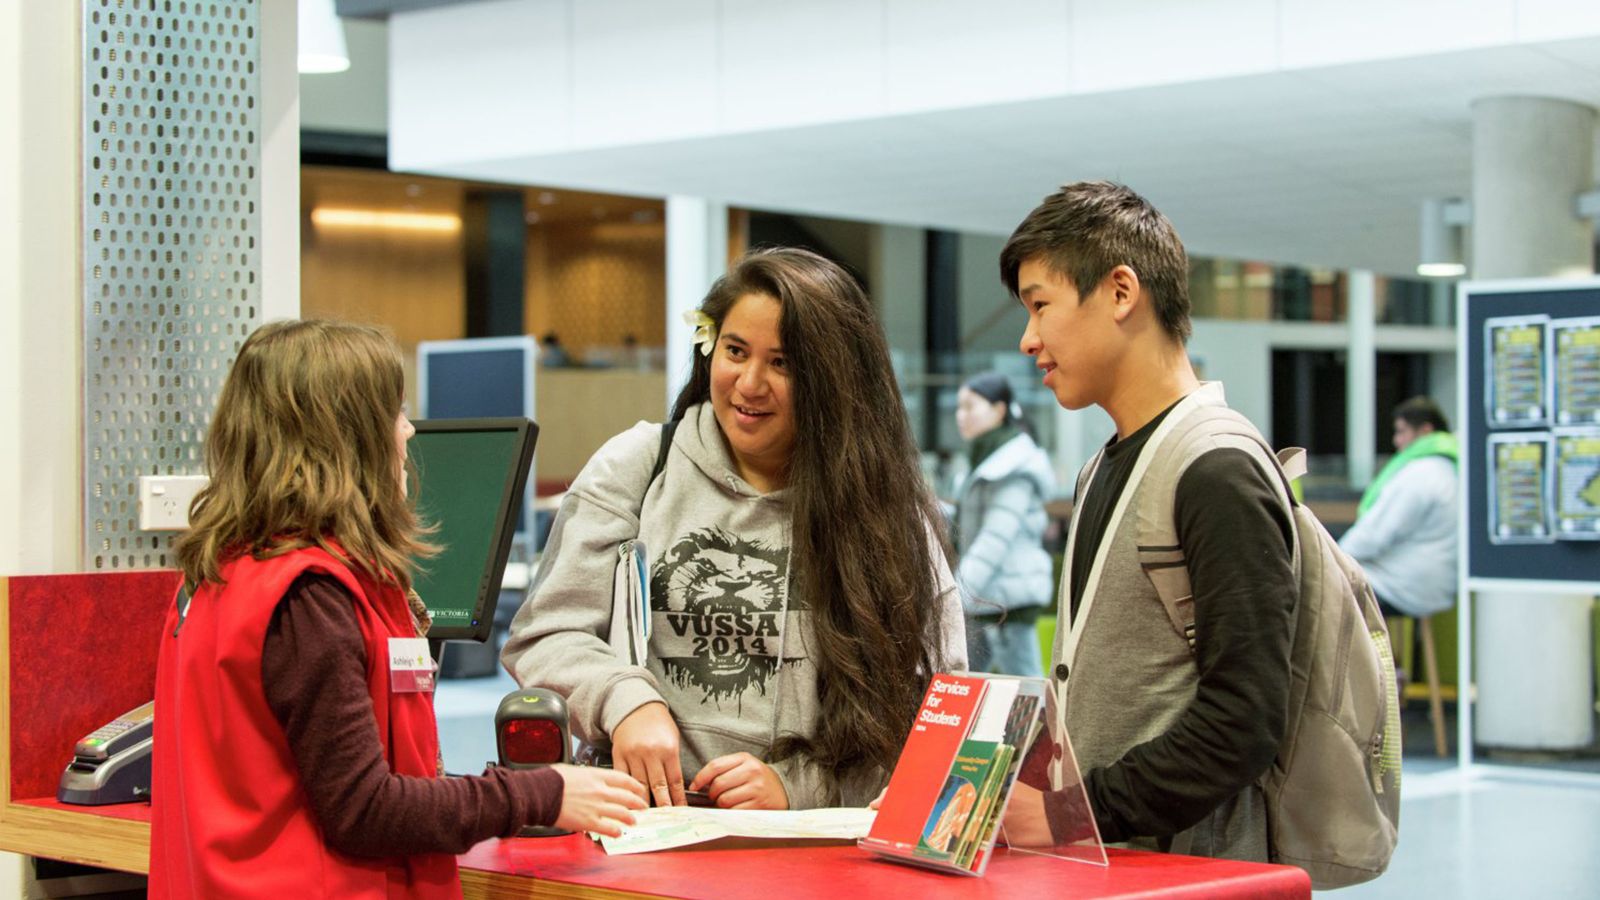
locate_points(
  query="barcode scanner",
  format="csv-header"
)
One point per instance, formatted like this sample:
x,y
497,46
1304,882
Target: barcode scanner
x,y
530,728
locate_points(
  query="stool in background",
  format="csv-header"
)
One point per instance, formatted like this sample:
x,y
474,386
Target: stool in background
x,y
1401,627
1430,667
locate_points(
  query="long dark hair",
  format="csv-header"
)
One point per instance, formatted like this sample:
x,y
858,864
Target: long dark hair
x,y
860,553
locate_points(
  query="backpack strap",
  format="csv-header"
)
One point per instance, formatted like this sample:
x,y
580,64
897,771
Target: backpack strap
x,y
1064,614
663,449
1205,428
1292,460
668,429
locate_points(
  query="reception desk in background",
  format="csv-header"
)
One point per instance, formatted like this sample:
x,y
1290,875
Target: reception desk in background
x,y
578,410
81,650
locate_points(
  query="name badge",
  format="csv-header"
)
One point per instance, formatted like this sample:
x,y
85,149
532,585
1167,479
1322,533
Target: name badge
x,y
410,666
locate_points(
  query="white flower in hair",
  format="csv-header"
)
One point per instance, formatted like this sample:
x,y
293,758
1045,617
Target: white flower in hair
x,y
705,330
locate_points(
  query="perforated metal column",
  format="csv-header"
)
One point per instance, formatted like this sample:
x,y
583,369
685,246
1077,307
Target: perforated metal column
x,y
171,146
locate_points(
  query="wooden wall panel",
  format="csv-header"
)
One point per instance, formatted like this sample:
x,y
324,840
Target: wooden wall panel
x,y
594,283
580,409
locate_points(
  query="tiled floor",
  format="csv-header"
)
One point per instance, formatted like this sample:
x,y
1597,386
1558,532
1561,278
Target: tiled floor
x,y
1498,833
1502,832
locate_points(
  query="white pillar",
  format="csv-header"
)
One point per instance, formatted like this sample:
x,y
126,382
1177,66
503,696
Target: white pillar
x,y
1361,375
40,303
1530,158
897,269
1441,304
280,162
41,294
898,273
697,255
1538,702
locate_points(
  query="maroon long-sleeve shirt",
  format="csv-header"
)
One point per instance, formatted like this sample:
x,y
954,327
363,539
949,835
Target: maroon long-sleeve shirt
x,y
313,667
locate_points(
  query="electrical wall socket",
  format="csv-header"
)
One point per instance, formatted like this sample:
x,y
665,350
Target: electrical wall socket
x,y
164,500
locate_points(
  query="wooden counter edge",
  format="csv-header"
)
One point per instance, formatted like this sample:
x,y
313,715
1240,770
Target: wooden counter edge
x,y
92,840
125,845
480,884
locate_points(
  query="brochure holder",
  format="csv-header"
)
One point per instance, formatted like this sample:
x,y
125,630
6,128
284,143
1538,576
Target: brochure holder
x,y
1049,808
974,739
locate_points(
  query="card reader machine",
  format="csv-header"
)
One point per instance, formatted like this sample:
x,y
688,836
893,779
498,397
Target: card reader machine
x,y
112,763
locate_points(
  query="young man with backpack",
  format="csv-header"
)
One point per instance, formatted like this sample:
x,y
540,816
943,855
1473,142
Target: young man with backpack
x,y
1181,589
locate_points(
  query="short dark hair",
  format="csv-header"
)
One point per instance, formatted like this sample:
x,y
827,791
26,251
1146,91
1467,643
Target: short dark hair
x,y
1420,411
1086,229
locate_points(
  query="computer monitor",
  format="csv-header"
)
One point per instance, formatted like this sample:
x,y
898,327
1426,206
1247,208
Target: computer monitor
x,y
476,377
472,474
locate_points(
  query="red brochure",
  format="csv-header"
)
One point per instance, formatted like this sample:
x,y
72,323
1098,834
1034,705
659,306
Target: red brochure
x,y
942,723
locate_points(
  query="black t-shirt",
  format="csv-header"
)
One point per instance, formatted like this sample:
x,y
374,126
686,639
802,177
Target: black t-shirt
x,y
1237,541
1101,498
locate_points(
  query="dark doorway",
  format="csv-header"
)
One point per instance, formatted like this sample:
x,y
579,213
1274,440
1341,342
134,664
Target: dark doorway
x,y
1400,377
1308,391
1308,398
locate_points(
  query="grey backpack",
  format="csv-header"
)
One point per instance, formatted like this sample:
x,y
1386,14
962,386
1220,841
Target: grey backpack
x,y
1333,792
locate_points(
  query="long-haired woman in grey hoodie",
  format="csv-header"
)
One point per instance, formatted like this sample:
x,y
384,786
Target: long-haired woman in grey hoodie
x,y
800,593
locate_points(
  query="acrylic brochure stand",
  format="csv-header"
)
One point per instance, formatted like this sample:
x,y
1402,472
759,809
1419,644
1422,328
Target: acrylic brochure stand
x,y
975,737
1049,809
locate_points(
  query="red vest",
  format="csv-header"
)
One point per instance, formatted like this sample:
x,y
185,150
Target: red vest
x,y
229,815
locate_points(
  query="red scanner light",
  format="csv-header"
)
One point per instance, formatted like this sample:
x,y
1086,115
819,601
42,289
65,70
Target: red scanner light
x,y
530,742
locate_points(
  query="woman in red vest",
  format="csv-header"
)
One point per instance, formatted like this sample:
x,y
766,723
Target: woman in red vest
x,y
288,761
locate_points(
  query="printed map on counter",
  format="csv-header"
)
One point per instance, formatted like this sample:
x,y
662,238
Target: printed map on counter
x,y
663,828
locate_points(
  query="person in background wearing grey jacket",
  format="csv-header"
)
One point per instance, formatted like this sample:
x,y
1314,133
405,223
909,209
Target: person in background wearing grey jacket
x,y
1004,572
800,596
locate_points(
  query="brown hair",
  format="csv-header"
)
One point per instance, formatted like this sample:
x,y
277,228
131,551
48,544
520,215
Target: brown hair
x,y
860,555
301,453
1086,229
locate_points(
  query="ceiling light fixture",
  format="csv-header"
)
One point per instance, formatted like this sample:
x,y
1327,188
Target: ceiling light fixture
x,y
334,217
322,47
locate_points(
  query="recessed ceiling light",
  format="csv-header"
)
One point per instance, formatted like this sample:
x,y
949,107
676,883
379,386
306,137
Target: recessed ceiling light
x,y
330,217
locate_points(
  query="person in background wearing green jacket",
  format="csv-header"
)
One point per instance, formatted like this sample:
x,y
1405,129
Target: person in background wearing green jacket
x,y
1405,530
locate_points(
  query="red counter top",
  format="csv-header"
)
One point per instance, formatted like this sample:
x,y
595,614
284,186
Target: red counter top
x,y
57,628
844,872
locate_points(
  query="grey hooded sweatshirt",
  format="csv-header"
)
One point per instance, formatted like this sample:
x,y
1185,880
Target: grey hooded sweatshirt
x,y
730,650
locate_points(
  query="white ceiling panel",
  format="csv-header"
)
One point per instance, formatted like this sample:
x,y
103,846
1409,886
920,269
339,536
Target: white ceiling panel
x,y
1315,166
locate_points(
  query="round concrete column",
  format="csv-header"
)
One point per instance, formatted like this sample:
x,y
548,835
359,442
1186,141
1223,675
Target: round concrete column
x,y
1530,158
697,255
1361,378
